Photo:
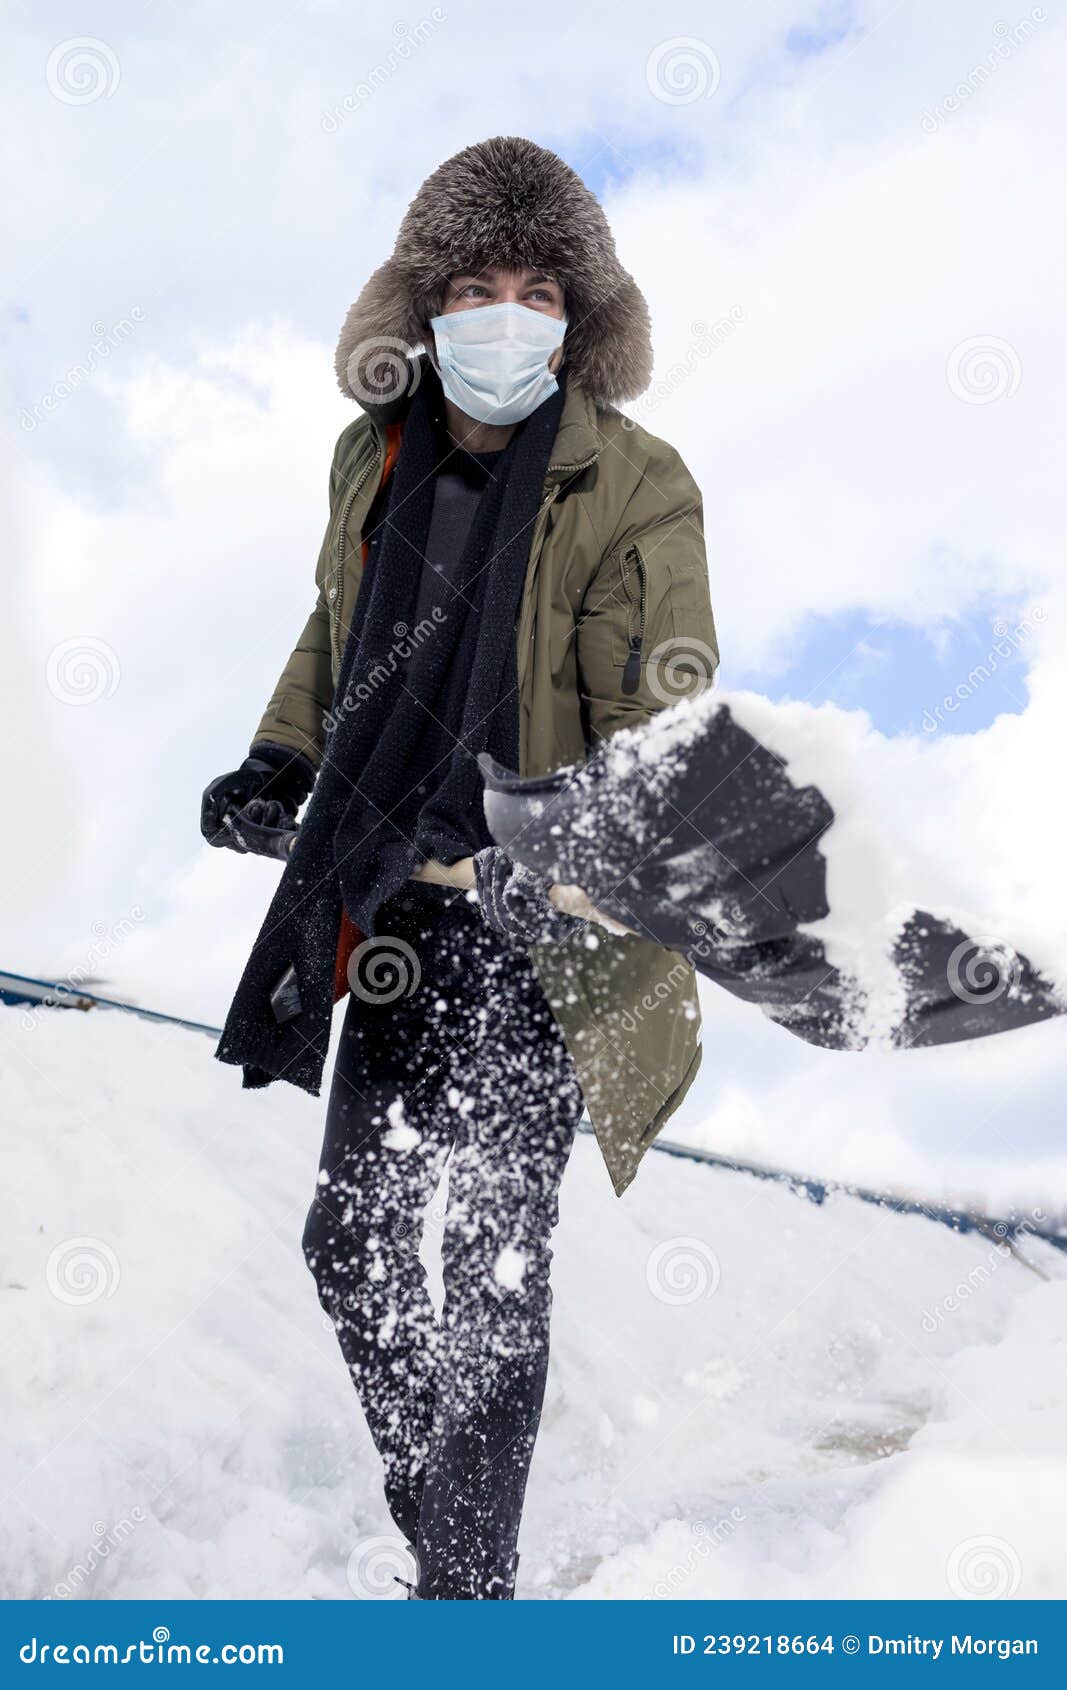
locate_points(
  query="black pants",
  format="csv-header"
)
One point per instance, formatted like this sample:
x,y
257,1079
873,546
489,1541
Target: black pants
x,y
468,1060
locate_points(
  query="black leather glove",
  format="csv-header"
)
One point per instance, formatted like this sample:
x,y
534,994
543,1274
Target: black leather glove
x,y
514,901
252,808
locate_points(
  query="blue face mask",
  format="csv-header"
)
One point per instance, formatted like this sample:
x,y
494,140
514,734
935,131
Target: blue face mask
x,y
493,359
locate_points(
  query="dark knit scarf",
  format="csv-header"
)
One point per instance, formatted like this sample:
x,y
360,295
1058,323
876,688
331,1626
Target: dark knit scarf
x,y
425,696
415,704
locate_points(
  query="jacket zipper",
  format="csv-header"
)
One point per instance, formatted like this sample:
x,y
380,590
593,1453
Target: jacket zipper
x,y
631,674
548,499
571,469
339,573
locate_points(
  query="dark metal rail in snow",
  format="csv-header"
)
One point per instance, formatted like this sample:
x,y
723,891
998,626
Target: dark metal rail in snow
x,y
1007,1230
23,989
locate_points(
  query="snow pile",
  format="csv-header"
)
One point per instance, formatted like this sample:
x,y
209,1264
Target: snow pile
x,y
963,1497
749,1395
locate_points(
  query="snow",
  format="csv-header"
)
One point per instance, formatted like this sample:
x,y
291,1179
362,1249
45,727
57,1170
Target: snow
x,y
749,1395
879,872
509,1268
922,842
399,1135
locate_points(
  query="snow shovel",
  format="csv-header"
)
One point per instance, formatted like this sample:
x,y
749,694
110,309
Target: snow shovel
x,y
691,833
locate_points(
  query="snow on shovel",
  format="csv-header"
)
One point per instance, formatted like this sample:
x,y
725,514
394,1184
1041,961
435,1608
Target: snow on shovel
x,y
690,832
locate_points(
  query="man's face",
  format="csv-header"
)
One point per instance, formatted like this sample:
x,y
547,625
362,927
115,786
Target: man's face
x,y
467,290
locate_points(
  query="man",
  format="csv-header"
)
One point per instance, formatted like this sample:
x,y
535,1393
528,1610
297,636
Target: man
x,y
508,566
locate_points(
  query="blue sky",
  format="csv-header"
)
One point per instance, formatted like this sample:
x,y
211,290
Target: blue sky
x,y
902,675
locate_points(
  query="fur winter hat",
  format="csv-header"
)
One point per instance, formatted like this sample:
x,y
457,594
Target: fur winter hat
x,y
510,203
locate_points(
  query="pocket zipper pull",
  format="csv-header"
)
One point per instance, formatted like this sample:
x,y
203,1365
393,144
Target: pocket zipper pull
x,y
631,674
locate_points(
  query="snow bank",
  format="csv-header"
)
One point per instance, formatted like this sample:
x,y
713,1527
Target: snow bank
x,y
749,1395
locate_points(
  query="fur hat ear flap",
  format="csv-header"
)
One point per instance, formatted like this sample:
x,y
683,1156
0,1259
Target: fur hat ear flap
x,y
610,346
512,204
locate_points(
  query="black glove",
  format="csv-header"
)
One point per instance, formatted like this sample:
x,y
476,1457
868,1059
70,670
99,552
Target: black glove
x,y
253,808
514,901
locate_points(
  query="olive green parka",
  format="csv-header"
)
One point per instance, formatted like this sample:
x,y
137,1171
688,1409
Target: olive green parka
x,y
615,599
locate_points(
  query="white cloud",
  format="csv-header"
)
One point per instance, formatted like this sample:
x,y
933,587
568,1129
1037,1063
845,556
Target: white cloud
x,y
840,469
197,586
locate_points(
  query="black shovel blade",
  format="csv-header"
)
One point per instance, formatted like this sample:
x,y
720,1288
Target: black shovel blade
x,y
959,987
